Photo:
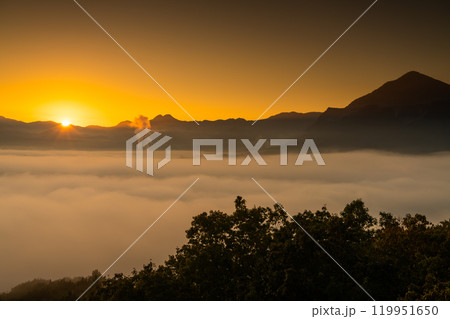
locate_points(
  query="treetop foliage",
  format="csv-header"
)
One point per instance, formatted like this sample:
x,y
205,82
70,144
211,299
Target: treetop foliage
x,y
260,253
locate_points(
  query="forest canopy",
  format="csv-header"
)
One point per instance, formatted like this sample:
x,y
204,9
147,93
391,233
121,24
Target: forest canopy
x,y
260,253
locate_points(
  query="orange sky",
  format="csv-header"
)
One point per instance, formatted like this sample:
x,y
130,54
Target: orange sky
x,y
218,59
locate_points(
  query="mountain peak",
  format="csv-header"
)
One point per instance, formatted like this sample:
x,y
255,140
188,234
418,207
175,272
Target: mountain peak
x,y
166,117
412,88
414,74
124,124
412,78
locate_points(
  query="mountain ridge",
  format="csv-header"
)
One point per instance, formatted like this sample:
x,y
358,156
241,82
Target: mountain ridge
x,y
408,114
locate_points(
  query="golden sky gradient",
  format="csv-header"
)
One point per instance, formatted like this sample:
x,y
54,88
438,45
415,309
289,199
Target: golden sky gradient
x,y
219,59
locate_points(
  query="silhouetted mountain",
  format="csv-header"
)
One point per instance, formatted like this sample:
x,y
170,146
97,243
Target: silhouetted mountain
x,y
410,89
413,95
295,115
409,114
51,135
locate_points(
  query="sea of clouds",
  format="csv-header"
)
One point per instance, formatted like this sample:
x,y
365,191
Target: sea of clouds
x,y
69,212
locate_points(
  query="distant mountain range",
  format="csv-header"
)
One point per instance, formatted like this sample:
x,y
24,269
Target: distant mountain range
x,y
409,115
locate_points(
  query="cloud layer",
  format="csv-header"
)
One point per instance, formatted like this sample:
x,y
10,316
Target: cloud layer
x,y
67,213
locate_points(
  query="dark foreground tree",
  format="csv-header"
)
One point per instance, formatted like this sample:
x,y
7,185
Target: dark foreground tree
x,y
262,254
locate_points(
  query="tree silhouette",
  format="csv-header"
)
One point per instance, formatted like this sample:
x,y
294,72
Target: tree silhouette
x,y
260,253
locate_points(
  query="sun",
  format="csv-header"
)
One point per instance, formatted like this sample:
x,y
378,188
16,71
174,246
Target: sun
x,y
65,123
